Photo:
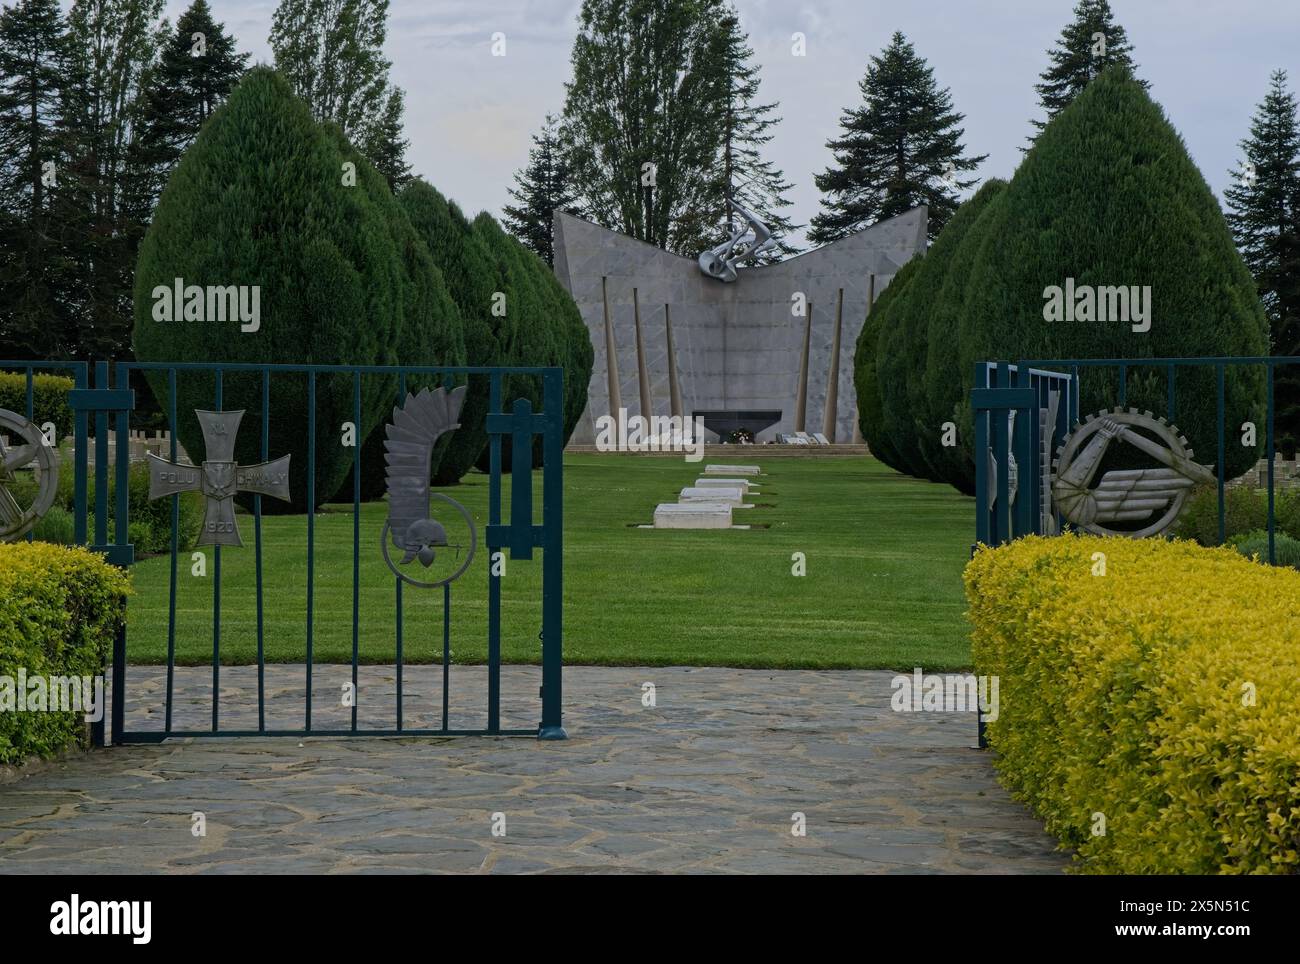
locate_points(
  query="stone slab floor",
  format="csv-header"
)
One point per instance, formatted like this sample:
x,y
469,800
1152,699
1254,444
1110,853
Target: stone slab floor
x,y
707,780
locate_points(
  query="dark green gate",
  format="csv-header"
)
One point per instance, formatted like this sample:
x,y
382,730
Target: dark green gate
x,y
102,403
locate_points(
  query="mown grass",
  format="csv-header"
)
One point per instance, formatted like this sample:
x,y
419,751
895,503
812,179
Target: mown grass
x,y
884,556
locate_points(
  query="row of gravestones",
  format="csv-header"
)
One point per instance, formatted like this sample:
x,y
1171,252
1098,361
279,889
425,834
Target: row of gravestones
x,y
709,503
1286,474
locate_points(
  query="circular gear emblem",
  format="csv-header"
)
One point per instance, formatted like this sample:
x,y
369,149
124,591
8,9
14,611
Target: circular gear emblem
x,y
1125,502
26,444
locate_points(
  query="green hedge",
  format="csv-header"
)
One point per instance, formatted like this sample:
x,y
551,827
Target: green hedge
x,y
1150,716
866,382
429,329
467,269
60,610
49,399
149,521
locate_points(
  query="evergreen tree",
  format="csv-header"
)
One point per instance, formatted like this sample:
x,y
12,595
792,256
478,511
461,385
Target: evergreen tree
x,y
36,318
901,148
331,52
641,119
1112,159
196,70
332,279
746,125
541,189
1264,213
114,46
1091,42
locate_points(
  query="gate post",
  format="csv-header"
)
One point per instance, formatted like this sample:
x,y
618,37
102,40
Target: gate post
x,y
103,399
553,556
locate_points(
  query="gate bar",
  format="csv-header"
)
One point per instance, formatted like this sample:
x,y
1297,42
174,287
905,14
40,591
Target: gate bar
x,y
494,581
257,549
311,528
216,606
171,599
356,539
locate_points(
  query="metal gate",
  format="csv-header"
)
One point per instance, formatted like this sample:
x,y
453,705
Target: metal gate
x,y
1023,412
105,403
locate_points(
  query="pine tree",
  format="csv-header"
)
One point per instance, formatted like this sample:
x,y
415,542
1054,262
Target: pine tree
x,y
641,119
901,148
1264,214
747,177
36,316
331,52
197,68
1092,42
541,189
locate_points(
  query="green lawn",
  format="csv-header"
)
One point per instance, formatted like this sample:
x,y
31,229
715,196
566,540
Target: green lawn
x,y
882,590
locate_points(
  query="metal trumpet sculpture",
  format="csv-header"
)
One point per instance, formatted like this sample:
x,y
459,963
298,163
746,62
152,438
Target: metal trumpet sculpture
x,y
744,244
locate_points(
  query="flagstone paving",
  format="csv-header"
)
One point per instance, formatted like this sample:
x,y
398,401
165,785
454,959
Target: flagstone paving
x,y
707,780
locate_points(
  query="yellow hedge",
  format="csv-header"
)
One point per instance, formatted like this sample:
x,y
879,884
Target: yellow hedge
x,y
60,609
1163,695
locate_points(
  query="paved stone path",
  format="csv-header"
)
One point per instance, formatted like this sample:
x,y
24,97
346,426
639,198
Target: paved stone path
x,y
705,781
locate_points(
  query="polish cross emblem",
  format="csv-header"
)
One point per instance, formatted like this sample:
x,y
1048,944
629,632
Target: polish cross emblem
x,y
219,478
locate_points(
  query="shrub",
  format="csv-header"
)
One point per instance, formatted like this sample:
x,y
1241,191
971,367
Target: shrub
x,y
902,351
1108,196
260,200
1161,695
1254,545
429,331
1244,510
470,278
866,383
60,610
49,398
149,522
945,400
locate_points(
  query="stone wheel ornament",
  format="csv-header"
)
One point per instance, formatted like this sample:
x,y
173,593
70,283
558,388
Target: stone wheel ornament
x,y
409,440
15,521
1124,495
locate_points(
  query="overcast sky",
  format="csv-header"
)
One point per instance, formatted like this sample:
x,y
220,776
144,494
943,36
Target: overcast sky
x,y
470,115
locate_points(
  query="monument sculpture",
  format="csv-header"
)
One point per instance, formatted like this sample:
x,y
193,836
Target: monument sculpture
x,y
769,351
745,244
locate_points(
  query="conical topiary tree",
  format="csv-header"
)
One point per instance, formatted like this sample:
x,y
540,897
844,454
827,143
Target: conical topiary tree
x,y
429,331
523,328
259,201
865,382
941,380
902,351
1108,196
470,277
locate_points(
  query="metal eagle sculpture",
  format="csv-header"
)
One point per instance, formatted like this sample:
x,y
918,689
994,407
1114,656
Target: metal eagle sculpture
x,y
408,451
